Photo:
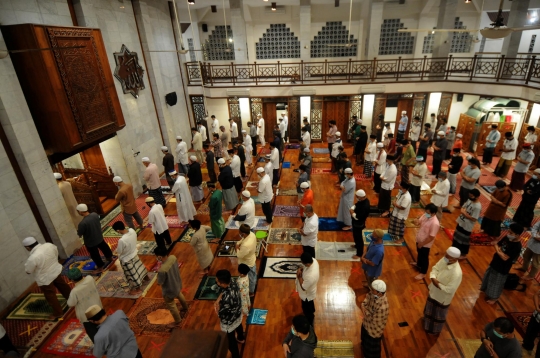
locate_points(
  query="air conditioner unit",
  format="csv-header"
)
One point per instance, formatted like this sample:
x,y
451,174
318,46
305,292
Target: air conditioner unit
x,y
240,92
369,89
536,97
309,91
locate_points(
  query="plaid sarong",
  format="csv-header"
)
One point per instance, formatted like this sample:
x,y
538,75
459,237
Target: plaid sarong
x,y
158,196
135,272
368,168
371,347
405,174
396,228
493,283
434,316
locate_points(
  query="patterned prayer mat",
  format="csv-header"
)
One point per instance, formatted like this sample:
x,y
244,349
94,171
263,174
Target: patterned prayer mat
x,y
188,234
287,210
469,347
321,160
109,232
287,192
146,247
83,263
490,189
114,284
174,222
335,251
261,224
410,223
330,224
334,349
321,171
111,241
150,317
208,289
362,177
520,320
257,316
252,185
477,238
292,146
157,266
284,236
264,151
107,219
387,239
279,267
505,224
321,151
35,307
70,340
512,211
28,333
228,249
42,334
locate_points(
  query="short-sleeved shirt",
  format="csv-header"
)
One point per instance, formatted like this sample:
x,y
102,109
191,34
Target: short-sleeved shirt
x,y
473,209
510,248
403,200
471,173
429,135
504,347
421,169
511,145
456,162
526,156
375,254
428,227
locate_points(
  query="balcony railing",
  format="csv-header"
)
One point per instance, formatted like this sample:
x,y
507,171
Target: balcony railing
x,y
479,68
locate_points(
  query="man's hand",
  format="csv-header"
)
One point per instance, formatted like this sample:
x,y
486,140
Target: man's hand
x,y
435,282
286,349
489,346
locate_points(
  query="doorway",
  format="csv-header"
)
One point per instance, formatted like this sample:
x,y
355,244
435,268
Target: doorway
x,y
338,111
270,120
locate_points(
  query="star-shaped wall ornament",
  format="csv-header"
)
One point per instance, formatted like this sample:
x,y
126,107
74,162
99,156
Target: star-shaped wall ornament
x,y
128,71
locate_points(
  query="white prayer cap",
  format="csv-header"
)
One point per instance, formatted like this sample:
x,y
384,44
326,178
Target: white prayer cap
x,y
117,179
338,134
244,131
440,133
149,199
419,158
57,176
537,171
92,311
306,150
459,135
246,193
360,193
29,241
260,170
348,171
403,112
304,185
221,161
178,137
379,285
380,145
146,159
193,158
82,208
164,148
359,121
453,252
172,172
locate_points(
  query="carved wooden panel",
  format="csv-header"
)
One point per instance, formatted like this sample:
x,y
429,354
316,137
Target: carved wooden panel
x,y
316,118
234,112
378,108
419,106
256,108
355,109
444,108
294,118
198,108
466,126
482,136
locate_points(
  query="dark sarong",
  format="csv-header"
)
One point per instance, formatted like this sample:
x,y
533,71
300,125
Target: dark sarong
x,y
518,181
368,168
493,283
487,156
525,211
158,196
462,240
396,228
377,182
371,347
415,193
434,316
491,227
385,199
405,174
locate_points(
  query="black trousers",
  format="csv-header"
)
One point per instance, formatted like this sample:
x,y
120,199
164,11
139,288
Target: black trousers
x,y
358,239
463,195
91,329
310,250
377,182
267,210
6,345
437,163
232,337
413,144
96,256
254,145
422,152
487,156
238,185
163,238
275,176
423,259
308,309
139,354
533,328
400,136
415,193
330,149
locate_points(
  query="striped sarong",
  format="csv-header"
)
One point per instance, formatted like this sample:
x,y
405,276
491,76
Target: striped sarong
x,y
158,196
493,283
405,174
434,316
135,272
368,168
462,240
396,228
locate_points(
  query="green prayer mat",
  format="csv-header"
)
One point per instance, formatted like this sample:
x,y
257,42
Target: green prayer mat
x,y
208,289
35,307
188,234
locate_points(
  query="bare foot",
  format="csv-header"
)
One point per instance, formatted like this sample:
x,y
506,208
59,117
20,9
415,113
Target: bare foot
x,y
413,263
462,257
347,228
526,278
419,277
356,257
491,302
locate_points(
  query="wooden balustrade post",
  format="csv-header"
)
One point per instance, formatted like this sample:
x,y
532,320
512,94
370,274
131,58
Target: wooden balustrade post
x,y
349,70
449,66
398,68
374,70
233,74
279,72
473,67
501,65
256,72
531,69
423,67
325,70
302,71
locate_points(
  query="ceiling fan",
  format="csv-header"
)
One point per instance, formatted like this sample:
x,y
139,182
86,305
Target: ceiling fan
x,y
348,44
497,30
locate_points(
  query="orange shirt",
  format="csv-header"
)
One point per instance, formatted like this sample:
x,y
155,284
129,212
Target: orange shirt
x,y
307,199
458,144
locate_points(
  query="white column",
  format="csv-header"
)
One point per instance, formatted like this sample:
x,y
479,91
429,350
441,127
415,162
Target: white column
x,y
443,40
238,27
516,18
374,22
85,13
305,30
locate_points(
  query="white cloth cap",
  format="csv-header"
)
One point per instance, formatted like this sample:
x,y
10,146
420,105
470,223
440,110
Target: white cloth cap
x,y
306,150
29,241
348,171
178,137
260,170
403,112
172,172
379,285
164,148
453,252
146,159
82,208
57,176
360,193
246,193
537,171
193,158
380,145
440,133
117,179
459,135
221,161
304,185
244,131
338,134
359,121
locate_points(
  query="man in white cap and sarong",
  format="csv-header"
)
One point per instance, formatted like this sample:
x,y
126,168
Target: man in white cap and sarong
x,y
348,188
195,179
375,309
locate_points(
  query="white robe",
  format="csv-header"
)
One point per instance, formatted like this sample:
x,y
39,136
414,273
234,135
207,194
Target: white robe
x,y
71,202
346,201
249,149
184,203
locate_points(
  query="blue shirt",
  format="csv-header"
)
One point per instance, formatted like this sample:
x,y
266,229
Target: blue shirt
x,y
375,254
114,338
403,124
493,135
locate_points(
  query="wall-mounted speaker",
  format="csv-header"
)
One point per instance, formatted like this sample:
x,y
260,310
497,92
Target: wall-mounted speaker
x,y
204,28
171,98
214,8
460,97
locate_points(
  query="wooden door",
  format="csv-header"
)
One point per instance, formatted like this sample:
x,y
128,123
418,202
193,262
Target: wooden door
x,y
466,127
295,123
339,112
92,158
482,136
270,120
503,128
407,106
521,140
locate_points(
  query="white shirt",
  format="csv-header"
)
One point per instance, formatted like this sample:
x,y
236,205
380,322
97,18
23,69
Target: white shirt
x,y
510,144
215,126
234,129
449,277
286,121
247,141
372,148
531,138
268,167
127,246
182,153
156,217
282,128
381,162
335,146
306,138
260,127
311,229
405,201
274,158
248,209
235,166
414,132
388,177
265,189
83,296
202,130
43,264
310,275
443,189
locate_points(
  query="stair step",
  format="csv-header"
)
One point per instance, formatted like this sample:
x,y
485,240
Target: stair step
x,y
108,205
103,199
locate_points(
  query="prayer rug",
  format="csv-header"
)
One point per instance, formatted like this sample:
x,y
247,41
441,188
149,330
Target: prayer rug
x,y
321,171
286,165
111,241
142,208
287,210
150,317
321,151
228,249
252,185
28,333
208,289
287,192
512,211
264,151
109,232
42,334
469,347
520,320
257,316
174,222
284,236
490,189
293,146
362,177
279,267
35,307
157,266
70,340
146,247
321,160
505,224
330,224
260,160
114,284
261,224
334,251
334,349
188,234
205,210
477,238
387,238
410,223
83,263
107,219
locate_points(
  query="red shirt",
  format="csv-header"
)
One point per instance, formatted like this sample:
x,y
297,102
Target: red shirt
x,y
458,144
307,199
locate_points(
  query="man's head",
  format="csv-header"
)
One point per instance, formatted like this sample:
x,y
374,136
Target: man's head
x,y
267,157
420,159
404,187
427,126
452,255
120,227
150,201
192,159
306,150
363,128
161,253
243,269
300,325
361,195
308,211
302,168
474,194
515,231
178,139
527,147
380,146
29,243
74,274
440,134
304,186
500,184
246,195
431,209
378,288
195,224
213,117
494,127
474,163
211,187
442,175
348,173
456,152
231,121
452,128
244,230
503,327
165,150
82,209
305,120
221,162
432,115
244,132
145,161
387,125
403,113
530,129
58,176
193,130
377,235
223,278
390,159
260,172
459,136
372,137
222,128
416,119
117,181
95,314
509,135
306,259
391,135
405,143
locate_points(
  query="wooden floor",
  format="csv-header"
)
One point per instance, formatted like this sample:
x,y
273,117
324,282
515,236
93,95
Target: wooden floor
x,y
340,290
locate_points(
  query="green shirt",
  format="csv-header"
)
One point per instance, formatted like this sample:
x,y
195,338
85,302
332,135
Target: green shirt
x,y
215,205
357,132
408,154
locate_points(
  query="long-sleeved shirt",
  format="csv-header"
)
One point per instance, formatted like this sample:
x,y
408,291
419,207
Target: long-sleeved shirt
x,y
194,174
156,217
372,149
126,198
414,131
531,138
388,176
380,161
376,314
43,264
151,176
215,126
306,138
274,158
234,130
335,148
260,127
114,338
182,153
83,296
218,150
361,213
168,162
168,277
307,199
127,246
450,138
310,275
230,308
265,189
449,277
442,188
282,128
90,230
441,152
225,178
225,140
246,252
196,142
235,166
253,130
248,209
311,230
202,130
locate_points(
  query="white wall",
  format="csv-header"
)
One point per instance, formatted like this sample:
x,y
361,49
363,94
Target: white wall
x,y
390,114
460,107
434,100
535,115
367,111
114,159
245,112
305,108
219,108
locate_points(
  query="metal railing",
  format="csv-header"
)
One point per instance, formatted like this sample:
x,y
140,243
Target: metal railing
x,y
521,70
